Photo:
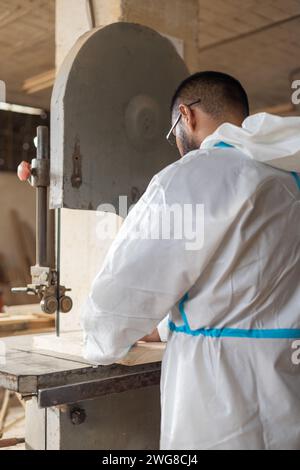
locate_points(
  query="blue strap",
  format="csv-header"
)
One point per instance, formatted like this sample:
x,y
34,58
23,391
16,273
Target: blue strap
x,y
223,145
297,178
279,333
182,312
276,333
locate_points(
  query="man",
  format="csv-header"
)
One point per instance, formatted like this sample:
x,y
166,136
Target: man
x,y
231,373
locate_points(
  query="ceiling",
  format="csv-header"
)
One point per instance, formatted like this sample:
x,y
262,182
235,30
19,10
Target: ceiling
x,y
257,41
27,47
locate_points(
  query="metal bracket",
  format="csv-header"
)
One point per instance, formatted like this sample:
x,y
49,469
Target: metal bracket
x,y
88,390
40,173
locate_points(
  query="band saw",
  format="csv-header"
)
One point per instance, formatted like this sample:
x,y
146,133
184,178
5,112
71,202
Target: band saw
x,y
110,111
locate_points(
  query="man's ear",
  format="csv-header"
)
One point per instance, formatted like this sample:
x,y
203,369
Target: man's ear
x,y
188,116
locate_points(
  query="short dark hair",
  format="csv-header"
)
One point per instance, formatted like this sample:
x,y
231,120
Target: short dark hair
x,y
220,94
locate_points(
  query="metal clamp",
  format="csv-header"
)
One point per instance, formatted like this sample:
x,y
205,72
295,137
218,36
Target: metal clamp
x,y
40,173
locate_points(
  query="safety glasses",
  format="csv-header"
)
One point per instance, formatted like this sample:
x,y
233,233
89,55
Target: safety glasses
x,y
171,136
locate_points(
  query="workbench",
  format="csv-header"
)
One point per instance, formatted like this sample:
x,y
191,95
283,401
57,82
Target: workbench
x,y
72,404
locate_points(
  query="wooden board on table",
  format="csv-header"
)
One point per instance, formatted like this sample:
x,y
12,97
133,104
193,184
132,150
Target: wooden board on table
x,y
71,344
24,319
24,309
144,353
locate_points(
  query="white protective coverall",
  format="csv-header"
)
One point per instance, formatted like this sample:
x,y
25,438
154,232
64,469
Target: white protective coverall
x,y
231,371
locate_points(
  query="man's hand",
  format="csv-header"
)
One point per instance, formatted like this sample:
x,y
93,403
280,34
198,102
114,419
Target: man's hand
x,y
153,337
24,171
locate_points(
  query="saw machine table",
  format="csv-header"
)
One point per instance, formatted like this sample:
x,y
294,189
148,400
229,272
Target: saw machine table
x,y
72,404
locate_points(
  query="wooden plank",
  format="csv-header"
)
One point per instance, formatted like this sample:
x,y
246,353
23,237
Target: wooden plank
x,y
23,309
10,320
22,319
144,353
16,324
4,409
12,442
29,331
71,343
